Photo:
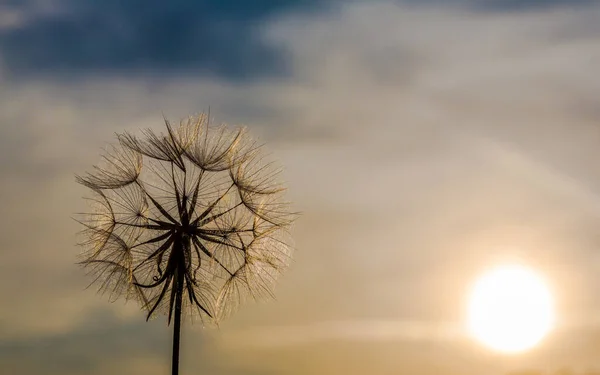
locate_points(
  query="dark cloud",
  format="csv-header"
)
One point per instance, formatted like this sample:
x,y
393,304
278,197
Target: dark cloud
x,y
102,342
222,38
200,37
77,352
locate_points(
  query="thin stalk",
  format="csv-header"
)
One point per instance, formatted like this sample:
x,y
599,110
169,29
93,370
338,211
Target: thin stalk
x,y
177,325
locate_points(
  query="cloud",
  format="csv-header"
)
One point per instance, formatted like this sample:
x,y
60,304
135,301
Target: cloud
x,y
219,38
66,39
361,331
520,5
72,353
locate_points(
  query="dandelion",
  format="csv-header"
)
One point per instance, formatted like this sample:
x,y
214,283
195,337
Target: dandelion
x,y
190,222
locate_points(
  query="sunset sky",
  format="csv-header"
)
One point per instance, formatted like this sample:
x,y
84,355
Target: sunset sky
x,y
423,142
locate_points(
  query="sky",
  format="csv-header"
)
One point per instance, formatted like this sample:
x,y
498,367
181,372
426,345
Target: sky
x,y
423,142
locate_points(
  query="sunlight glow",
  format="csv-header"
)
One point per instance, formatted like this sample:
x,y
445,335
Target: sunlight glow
x,y
510,309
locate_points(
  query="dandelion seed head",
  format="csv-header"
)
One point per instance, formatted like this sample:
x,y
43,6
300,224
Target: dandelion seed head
x,y
198,208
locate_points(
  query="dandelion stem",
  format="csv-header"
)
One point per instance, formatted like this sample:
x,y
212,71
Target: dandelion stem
x,y
177,326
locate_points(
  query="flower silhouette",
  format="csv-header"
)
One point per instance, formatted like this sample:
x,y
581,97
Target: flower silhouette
x,y
189,222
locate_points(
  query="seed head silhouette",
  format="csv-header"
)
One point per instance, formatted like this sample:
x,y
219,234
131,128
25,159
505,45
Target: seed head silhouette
x,y
190,222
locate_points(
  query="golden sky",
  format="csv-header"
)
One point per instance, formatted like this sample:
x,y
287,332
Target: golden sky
x,y
423,143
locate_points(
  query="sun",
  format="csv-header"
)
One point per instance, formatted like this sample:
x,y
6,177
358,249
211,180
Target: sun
x,y
510,309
